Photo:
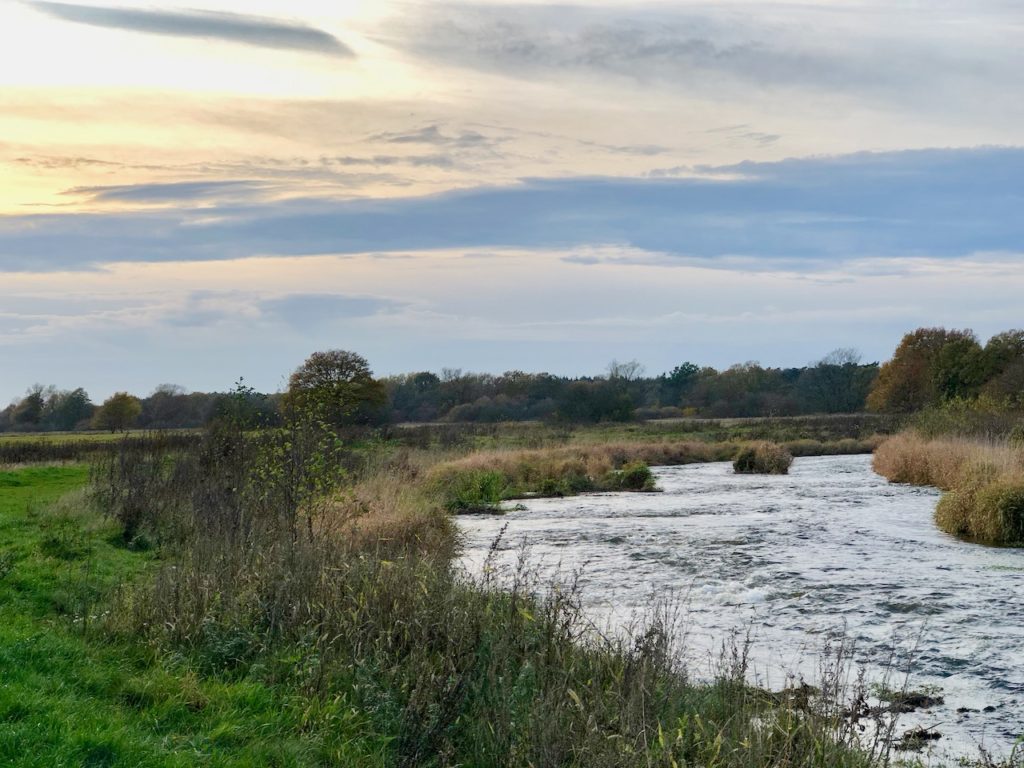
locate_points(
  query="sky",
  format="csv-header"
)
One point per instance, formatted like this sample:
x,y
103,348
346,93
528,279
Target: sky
x,y
192,194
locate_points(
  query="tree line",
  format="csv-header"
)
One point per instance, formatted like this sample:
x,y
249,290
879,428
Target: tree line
x,y
930,366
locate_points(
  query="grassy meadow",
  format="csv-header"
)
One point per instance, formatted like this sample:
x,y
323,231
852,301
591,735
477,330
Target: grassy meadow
x,y
74,694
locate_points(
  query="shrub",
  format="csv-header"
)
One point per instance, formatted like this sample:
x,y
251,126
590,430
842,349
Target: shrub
x,y
762,459
137,485
634,476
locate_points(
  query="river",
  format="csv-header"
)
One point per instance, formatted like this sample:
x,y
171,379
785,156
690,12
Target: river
x,y
829,549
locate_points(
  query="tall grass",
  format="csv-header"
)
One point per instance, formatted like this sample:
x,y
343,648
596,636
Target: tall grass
x,y
983,481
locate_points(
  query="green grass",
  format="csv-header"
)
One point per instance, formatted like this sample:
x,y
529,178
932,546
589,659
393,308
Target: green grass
x,y
71,696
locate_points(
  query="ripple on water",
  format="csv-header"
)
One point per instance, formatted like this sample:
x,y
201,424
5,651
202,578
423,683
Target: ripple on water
x,y
829,548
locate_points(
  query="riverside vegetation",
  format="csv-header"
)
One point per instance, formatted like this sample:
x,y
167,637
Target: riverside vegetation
x,y
973,449
280,597
983,482
966,416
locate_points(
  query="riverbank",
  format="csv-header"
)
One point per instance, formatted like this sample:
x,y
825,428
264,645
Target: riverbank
x,y
337,633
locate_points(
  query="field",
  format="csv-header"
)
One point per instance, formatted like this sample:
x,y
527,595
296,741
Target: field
x,y
80,436
529,435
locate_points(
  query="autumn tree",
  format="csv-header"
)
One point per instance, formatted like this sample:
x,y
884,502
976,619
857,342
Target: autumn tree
x,y
336,387
1004,357
1004,349
929,365
630,370
118,412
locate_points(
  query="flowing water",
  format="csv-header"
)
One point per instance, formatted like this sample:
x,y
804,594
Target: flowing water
x,y
830,548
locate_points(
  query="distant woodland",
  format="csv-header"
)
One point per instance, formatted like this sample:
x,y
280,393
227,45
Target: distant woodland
x,y
931,366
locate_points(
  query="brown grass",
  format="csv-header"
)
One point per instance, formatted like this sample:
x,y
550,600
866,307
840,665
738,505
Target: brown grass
x,y
943,462
983,480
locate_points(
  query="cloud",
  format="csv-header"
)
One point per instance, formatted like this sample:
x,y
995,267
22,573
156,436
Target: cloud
x,y
303,311
182,191
744,132
231,27
432,134
637,150
721,50
435,160
939,203
205,309
51,162
315,310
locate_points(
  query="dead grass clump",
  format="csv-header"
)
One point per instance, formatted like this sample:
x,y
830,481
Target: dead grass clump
x,y
762,459
386,510
911,458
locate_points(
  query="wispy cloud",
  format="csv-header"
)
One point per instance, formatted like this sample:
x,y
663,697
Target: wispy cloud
x,y
433,160
433,135
307,310
172,192
51,162
231,27
724,50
